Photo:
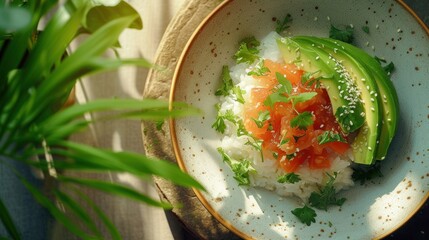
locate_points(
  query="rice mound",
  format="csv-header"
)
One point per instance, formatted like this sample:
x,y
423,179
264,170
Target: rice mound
x,y
267,171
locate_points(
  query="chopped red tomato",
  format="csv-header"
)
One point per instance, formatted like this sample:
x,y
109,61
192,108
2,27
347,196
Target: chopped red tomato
x,y
291,145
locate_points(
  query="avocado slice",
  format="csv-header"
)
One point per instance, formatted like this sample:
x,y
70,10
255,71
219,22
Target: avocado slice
x,y
342,97
387,96
360,82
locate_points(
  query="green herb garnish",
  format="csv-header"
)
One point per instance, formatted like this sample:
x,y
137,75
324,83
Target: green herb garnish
x,y
285,84
389,68
345,35
302,120
302,97
327,195
274,98
259,70
289,178
227,83
238,94
365,29
366,172
283,25
330,136
305,214
219,124
262,118
240,168
248,51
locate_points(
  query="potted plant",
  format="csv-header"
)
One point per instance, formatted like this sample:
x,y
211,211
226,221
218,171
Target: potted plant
x,y
37,76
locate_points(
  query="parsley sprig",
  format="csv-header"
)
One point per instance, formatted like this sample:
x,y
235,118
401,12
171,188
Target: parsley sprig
x,y
289,178
282,26
259,70
305,214
263,117
302,120
345,35
330,136
321,200
241,168
327,195
364,173
219,125
226,83
389,68
248,51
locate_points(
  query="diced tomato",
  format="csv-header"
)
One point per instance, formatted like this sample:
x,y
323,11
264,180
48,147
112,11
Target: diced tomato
x,y
279,139
338,147
290,71
253,109
293,164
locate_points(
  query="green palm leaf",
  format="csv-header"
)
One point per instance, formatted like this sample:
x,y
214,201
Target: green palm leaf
x,y
116,189
7,221
36,76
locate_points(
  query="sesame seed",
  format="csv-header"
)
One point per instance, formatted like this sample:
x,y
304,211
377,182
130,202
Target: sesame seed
x,y
369,148
399,30
351,25
315,18
372,109
377,26
329,18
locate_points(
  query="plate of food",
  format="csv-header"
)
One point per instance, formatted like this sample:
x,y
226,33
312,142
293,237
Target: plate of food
x,y
315,119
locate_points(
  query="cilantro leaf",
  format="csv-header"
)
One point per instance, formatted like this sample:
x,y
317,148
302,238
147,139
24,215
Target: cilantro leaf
x,y
275,97
348,122
302,120
219,124
345,35
284,141
227,83
365,173
286,85
262,118
326,196
259,70
256,144
241,168
241,130
389,68
248,51
289,178
302,97
283,25
330,136
305,214
238,94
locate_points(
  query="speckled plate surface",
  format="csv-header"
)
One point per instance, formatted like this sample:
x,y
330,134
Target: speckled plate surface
x,y
372,210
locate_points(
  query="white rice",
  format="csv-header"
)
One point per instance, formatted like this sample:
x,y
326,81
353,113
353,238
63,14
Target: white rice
x,y
267,172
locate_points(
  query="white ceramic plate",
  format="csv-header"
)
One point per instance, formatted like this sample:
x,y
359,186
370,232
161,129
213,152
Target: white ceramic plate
x,y
371,211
